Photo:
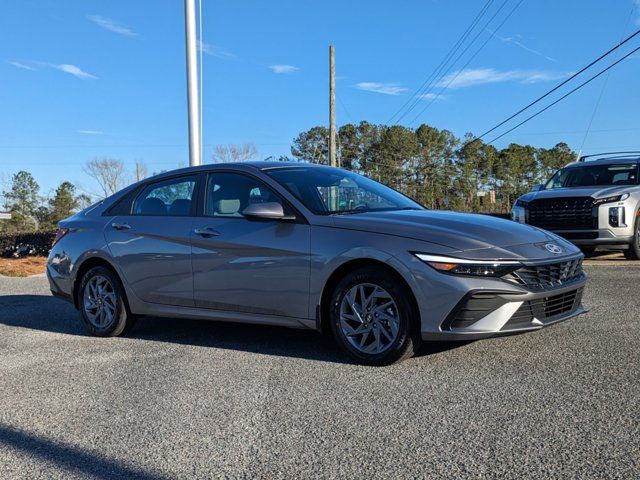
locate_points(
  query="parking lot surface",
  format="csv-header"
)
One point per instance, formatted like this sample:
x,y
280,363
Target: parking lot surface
x,y
188,399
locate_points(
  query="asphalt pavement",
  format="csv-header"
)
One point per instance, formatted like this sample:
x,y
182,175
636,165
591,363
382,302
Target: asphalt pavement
x,y
189,399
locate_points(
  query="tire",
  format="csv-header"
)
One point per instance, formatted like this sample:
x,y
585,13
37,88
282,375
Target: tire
x,y
385,333
102,304
588,251
633,252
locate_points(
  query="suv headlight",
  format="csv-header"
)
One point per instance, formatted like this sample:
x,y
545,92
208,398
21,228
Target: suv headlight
x,y
615,198
476,268
521,203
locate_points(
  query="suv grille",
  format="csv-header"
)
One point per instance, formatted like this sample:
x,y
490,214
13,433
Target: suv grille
x,y
550,275
547,308
571,213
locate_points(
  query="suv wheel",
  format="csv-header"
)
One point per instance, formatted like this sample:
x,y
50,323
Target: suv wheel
x,y
373,318
633,252
102,305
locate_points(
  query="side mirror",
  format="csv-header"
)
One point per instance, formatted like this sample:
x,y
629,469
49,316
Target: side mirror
x,y
537,188
266,211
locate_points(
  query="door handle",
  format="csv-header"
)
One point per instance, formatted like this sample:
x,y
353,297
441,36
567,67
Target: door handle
x,y
206,232
121,226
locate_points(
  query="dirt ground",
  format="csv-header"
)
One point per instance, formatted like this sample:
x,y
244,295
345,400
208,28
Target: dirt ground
x,y
22,267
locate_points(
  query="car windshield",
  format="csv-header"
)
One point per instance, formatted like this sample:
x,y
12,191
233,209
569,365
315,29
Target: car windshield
x,y
591,175
327,191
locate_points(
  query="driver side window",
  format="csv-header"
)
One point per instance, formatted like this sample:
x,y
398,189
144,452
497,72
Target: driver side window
x,y
229,194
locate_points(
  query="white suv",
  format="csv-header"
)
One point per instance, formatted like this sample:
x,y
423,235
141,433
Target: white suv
x,y
593,203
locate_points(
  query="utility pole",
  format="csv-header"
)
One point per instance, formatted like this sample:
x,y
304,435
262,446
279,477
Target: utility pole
x,y
332,108
195,157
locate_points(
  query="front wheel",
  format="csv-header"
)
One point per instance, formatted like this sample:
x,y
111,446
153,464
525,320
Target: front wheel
x,y
102,304
373,318
633,252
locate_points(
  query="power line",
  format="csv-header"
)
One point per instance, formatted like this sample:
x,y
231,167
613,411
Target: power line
x,y
561,84
446,58
604,84
467,63
439,79
563,97
344,107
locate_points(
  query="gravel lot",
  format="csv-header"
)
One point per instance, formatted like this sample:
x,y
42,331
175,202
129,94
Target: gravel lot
x,y
185,399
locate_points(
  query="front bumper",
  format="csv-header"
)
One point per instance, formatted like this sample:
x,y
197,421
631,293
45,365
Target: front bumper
x,y
484,313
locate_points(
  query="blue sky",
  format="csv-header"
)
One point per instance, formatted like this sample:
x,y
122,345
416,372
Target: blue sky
x,y
83,79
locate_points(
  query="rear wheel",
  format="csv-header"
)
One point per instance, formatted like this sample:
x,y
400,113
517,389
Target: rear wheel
x,y
373,318
102,305
633,252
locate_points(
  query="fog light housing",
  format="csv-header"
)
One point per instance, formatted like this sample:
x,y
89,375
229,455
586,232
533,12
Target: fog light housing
x,y
616,217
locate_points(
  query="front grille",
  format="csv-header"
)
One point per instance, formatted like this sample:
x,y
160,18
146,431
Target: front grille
x,y
570,213
550,275
578,235
545,309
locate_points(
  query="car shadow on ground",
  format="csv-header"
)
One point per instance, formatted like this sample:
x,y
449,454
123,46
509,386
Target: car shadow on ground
x,y
47,313
69,457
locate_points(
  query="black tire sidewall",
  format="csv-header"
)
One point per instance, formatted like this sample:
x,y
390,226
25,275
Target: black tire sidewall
x,y
633,253
120,318
407,339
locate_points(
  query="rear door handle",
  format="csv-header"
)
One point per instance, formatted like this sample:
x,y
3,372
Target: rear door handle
x,y
206,232
121,226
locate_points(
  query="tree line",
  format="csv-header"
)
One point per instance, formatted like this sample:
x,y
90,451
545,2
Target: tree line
x,y
430,165
435,167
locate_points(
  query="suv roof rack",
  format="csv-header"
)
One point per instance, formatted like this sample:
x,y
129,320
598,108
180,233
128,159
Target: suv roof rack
x,y
630,154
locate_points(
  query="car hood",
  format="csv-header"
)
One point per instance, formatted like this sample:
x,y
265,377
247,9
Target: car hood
x,y
459,231
595,192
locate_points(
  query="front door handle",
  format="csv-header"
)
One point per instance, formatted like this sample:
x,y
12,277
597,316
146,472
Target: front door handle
x,y
206,232
121,226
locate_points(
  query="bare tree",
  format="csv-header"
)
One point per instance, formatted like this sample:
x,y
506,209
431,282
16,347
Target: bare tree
x,y
109,173
234,153
141,171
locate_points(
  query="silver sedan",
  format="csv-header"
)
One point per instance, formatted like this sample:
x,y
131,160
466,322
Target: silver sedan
x,y
311,247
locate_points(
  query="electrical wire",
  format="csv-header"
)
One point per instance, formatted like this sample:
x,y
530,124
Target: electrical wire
x,y
604,85
443,75
436,96
446,58
561,84
562,97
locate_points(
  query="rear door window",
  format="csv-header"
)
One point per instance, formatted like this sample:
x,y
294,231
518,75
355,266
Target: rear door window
x,y
173,197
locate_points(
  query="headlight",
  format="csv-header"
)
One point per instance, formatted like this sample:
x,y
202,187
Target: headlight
x,y
476,268
521,203
615,198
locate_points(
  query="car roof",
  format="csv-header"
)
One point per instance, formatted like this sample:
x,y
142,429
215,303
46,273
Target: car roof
x,y
239,166
612,159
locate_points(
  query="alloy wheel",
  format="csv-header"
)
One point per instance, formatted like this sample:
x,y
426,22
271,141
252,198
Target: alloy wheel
x,y
100,301
369,318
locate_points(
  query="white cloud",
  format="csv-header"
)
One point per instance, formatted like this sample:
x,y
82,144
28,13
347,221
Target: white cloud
x,y
515,41
91,132
215,51
479,76
74,70
433,96
111,25
21,65
384,88
283,68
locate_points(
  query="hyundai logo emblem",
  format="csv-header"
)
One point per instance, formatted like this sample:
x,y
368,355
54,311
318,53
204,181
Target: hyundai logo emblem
x,y
553,248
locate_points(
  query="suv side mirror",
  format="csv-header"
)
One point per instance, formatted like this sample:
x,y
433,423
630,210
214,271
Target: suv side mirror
x,y
266,211
537,188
